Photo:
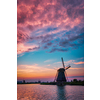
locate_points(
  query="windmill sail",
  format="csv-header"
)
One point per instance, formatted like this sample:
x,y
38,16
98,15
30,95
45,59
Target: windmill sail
x,y
63,62
67,67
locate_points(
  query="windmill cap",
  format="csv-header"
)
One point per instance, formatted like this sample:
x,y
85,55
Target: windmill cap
x,y
61,69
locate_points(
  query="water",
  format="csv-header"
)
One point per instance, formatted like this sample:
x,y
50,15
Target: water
x,y
49,92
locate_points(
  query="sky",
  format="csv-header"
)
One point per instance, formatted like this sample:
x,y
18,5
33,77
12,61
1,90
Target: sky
x,y
46,31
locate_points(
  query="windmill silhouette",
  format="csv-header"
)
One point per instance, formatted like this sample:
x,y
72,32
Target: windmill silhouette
x,y
60,76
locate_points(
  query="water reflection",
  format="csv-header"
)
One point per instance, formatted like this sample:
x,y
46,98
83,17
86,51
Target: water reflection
x,y
61,93
49,92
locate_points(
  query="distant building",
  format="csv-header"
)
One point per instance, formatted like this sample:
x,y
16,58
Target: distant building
x,y
23,81
39,81
71,80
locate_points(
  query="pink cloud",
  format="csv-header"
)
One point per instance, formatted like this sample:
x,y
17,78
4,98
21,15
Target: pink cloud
x,y
79,63
21,48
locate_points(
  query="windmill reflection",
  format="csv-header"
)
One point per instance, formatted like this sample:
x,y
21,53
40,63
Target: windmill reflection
x,y
61,93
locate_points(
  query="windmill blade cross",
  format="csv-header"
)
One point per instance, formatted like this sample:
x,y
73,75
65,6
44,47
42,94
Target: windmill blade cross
x,y
63,62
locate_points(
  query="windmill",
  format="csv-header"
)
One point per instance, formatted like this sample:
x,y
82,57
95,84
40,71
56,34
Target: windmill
x,y
60,76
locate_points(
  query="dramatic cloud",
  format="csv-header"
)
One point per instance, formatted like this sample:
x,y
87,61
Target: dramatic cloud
x,y
54,24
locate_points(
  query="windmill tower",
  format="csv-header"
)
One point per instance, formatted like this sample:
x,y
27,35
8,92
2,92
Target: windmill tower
x,y
60,77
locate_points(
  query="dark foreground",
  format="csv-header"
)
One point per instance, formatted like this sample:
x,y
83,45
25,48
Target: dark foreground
x,y
65,83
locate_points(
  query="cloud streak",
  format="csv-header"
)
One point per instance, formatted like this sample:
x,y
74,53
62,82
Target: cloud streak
x,y
50,60
79,63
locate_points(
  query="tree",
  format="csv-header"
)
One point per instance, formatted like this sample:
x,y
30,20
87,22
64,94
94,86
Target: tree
x,y
74,80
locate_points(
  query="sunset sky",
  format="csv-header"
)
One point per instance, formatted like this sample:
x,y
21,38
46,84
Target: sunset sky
x,y
46,31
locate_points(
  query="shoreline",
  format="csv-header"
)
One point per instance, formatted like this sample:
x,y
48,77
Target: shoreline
x,y
54,83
